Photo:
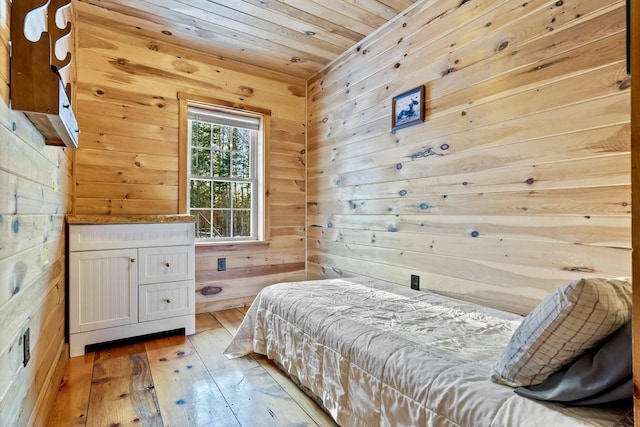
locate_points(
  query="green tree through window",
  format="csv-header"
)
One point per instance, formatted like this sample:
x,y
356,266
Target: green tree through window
x,y
223,174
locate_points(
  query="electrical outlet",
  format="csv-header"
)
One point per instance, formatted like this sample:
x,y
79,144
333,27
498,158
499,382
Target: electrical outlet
x,y
415,282
222,264
26,351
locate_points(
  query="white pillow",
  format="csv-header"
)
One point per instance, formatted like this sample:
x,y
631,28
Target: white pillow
x,y
572,319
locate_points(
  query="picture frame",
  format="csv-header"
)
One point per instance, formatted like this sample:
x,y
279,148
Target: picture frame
x,y
407,109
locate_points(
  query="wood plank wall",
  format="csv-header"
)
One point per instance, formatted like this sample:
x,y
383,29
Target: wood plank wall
x,y
519,179
127,160
35,195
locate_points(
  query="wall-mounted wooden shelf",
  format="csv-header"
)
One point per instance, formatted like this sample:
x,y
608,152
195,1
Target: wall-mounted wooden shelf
x,y
37,84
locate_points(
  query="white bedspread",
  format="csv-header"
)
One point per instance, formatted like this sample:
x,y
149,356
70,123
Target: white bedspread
x,y
378,354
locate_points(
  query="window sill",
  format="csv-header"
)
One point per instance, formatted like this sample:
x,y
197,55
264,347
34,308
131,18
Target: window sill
x,y
207,247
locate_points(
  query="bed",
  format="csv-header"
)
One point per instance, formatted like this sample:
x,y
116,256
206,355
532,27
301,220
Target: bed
x,y
377,354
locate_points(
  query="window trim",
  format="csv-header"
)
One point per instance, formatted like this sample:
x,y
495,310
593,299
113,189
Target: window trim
x,y
190,100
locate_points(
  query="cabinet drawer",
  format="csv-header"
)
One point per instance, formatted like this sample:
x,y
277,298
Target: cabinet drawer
x,y
167,264
163,300
120,236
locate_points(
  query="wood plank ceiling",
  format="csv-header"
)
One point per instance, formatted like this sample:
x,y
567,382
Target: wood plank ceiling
x,y
295,37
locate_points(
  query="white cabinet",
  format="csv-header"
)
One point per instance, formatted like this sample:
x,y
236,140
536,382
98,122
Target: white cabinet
x,y
103,288
129,280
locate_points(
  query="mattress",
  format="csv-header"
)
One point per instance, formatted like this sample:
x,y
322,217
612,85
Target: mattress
x,y
379,354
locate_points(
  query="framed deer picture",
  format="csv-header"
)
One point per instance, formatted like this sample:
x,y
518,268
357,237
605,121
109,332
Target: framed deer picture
x,y
407,109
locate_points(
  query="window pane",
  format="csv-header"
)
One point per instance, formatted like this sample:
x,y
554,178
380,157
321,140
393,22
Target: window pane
x,y
241,223
222,180
200,134
203,229
240,165
201,162
221,163
222,223
242,195
200,194
222,134
241,140
222,195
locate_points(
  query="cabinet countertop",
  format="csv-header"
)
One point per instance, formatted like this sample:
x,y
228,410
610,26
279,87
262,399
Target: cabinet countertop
x,y
128,219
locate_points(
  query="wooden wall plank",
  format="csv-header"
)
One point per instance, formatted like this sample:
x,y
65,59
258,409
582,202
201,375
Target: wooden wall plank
x,y
519,179
128,156
584,144
396,247
614,231
28,384
35,194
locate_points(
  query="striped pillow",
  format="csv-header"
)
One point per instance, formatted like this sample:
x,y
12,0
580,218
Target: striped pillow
x,y
574,318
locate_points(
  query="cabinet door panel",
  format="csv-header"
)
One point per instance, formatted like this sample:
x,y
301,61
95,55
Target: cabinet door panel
x,y
166,264
103,289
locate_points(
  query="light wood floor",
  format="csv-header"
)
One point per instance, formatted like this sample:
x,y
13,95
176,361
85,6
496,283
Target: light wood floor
x,y
182,381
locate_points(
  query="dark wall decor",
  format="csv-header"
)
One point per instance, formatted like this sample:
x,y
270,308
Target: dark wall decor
x,y
407,109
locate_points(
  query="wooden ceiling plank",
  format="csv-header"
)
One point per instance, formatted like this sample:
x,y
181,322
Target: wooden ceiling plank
x,y
100,35
357,23
399,5
334,25
293,37
212,26
294,19
226,19
225,48
368,11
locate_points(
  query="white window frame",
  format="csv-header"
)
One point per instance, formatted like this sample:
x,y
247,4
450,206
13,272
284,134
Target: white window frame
x,y
259,210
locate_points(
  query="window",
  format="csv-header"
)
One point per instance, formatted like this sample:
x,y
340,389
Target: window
x,y
225,173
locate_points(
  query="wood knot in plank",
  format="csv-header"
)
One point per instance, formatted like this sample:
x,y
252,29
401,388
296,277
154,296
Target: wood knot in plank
x,y
502,46
625,84
548,64
211,290
245,91
427,152
579,269
184,67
